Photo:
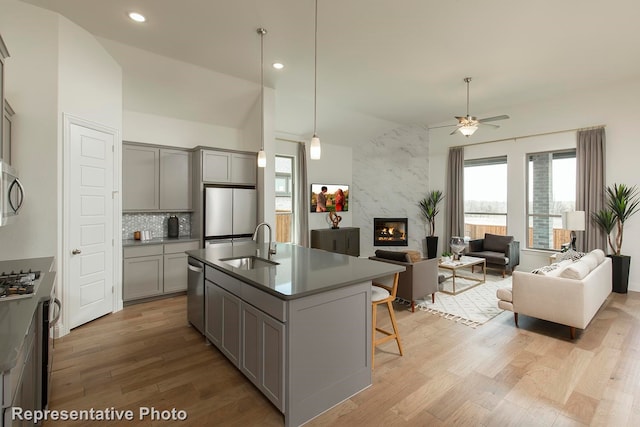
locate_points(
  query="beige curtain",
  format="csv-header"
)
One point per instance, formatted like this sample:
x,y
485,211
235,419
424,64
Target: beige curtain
x,y
590,165
454,196
301,236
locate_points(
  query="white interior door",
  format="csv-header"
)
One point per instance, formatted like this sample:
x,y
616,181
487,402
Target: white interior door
x,y
90,229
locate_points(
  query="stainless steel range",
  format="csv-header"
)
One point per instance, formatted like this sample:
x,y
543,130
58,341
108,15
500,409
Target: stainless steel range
x,y
18,285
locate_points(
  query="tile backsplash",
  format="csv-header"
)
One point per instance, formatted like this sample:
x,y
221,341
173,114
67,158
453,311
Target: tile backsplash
x,y
156,223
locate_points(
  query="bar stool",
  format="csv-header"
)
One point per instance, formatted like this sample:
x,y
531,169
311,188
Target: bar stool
x,y
381,294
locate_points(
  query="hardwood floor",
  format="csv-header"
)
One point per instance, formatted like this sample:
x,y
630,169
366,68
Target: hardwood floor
x,y
495,375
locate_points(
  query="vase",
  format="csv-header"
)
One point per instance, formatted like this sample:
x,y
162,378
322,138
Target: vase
x,y
457,247
432,246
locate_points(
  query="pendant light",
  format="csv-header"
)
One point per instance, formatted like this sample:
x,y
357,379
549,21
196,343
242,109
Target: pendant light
x,y
262,156
314,149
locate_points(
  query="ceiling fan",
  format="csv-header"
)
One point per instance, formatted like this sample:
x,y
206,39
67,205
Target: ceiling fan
x,y
467,125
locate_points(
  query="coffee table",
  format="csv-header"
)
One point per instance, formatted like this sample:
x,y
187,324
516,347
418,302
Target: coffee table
x,y
464,262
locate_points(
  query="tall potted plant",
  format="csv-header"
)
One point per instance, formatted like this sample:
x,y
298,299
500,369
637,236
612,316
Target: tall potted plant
x,y
429,209
622,202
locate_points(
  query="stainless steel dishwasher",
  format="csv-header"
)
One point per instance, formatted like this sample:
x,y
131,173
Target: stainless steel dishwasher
x,y
195,294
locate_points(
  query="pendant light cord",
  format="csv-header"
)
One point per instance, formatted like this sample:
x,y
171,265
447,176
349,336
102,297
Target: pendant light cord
x,y
262,32
315,72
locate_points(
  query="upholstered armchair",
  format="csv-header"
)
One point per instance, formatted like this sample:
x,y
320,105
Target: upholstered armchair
x,y
420,278
501,252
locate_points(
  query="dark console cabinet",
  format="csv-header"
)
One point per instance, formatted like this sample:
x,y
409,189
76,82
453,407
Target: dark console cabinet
x,y
345,240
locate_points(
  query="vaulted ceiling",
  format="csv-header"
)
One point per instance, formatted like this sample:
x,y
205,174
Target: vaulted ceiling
x,y
403,61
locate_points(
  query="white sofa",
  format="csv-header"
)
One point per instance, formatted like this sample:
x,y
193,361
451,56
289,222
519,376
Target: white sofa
x,y
568,292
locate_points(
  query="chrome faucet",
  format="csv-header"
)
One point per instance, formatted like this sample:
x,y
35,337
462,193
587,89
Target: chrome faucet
x,y
271,250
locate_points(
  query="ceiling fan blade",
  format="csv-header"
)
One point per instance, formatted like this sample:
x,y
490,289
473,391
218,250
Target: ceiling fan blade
x,y
452,133
488,124
493,119
443,126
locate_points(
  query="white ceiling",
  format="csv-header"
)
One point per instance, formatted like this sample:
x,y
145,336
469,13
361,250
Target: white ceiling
x,y
403,61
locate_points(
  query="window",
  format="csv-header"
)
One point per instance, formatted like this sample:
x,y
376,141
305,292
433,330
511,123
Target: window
x,y
284,198
551,190
485,197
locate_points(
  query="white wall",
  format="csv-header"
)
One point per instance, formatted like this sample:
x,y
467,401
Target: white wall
x,y
390,176
614,106
162,130
31,84
333,167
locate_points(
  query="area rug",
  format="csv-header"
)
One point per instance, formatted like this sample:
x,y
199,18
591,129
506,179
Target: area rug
x,y
473,307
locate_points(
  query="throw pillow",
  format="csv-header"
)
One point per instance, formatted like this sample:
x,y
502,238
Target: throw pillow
x,y
578,270
393,255
600,254
414,256
591,260
570,254
554,269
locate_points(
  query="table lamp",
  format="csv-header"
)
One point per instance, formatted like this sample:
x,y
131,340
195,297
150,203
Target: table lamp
x,y
574,221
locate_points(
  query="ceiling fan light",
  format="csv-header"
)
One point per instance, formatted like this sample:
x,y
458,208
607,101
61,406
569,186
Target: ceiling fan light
x,y
468,130
315,149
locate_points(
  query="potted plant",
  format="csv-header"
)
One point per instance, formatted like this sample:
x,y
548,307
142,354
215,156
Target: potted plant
x,y
622,202
429,209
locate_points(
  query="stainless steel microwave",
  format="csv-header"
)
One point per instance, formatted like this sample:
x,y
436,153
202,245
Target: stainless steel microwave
x,y
11,193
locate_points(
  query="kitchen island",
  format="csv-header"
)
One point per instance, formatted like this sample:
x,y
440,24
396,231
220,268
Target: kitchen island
x,y
298,327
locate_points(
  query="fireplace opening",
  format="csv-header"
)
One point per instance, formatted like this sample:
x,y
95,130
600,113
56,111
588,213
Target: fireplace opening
x,y
390,232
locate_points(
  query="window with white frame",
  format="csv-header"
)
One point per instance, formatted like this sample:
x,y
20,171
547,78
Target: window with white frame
x,y
284,198
485,197
551,190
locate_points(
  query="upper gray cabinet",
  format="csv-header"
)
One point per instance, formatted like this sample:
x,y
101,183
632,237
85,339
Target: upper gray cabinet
x,y
175,179
5,144
155,179
228,167
243,168
6,133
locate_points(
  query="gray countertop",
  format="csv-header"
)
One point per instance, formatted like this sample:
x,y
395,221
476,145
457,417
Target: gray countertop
x,y
158,241
16,315
300,271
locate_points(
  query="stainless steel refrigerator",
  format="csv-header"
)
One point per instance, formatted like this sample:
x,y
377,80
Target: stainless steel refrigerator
x,y
230,214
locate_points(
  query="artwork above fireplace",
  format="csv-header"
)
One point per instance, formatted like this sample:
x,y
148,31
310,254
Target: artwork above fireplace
x,y
390,232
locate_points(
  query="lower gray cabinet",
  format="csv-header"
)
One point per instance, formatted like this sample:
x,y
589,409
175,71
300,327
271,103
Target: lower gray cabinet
x,y
142,272
175,265
222,321
213,313
151,270
251,339
19,386
262,358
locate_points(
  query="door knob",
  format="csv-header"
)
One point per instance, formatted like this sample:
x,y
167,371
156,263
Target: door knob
x,y
76,251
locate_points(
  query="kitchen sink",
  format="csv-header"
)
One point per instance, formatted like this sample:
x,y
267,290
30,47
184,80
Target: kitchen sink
x,y
248,262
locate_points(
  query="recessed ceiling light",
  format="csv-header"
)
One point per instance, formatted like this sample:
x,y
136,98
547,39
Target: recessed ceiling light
x,y
278,65
137,17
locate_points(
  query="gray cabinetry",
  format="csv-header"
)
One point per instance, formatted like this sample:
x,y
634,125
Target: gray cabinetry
x,y
142,272
345,240
155,178
243,331
4,53
140,178
228,167
243,168
20,384
222,320
216,166
151,270
262,359
175,179
6,133
175,266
